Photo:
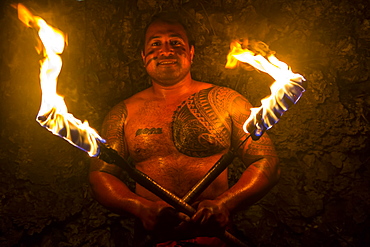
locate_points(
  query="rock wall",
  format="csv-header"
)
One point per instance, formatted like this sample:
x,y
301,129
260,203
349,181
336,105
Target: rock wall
x,y
322,198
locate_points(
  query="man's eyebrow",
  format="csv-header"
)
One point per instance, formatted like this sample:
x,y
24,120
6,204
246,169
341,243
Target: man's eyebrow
x,y
171,35
153,37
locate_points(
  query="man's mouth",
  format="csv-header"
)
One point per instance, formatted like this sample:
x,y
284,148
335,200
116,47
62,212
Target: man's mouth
x,y
167,62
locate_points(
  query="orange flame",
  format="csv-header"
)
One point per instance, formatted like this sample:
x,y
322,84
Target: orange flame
x,y
287,87
53,113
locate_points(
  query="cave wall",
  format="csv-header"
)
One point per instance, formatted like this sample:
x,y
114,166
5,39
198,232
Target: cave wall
x,y
322,198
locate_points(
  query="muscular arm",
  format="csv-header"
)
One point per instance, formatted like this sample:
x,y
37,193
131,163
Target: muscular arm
x,y
106,186
262,171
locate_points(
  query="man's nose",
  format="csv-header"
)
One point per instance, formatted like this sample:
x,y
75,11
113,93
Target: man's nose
x,y
166,49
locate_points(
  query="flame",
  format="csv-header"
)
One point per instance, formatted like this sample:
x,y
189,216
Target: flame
x,y
285,91
53,113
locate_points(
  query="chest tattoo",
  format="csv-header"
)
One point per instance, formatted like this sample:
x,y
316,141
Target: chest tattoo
x,y
148,131
201,126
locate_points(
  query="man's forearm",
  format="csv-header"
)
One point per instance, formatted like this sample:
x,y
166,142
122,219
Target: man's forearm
x,y
115,195
256,181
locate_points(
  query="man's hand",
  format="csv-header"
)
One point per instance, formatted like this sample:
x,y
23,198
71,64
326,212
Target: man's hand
x,y
212,217
161,216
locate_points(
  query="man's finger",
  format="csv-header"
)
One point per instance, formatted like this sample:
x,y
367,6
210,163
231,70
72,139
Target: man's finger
x,y
197,216
183,217
206,216
202,216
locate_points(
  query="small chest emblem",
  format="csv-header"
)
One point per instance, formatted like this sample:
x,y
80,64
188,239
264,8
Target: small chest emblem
x,y
148,131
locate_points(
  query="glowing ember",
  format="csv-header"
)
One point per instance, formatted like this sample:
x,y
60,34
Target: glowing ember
x,y
285,91
53,113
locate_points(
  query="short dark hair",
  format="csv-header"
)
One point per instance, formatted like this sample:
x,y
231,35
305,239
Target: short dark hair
x,y
172,18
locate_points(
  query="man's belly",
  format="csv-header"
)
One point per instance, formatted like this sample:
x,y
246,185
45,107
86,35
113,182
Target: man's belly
x,y
180,174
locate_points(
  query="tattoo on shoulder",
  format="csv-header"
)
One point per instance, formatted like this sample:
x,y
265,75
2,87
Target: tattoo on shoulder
x,y
201,125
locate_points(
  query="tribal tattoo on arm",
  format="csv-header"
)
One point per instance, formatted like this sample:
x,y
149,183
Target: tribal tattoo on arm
x,y
262,156
113,133
258,154
201,125
113,127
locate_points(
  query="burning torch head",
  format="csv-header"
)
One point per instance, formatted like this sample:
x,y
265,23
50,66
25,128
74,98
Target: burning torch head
x,y
274,107
285,91
53,113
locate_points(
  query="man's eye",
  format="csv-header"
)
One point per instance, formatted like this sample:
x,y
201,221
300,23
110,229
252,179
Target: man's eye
x,y
175,42
156,44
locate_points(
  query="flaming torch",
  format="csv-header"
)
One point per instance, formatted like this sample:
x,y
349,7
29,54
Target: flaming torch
x,y
285,91
53,113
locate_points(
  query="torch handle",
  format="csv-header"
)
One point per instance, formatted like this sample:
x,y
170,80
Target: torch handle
x,y
211,175
111,156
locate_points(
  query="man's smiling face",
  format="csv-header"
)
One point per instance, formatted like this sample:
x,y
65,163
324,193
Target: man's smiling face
x,y
167,55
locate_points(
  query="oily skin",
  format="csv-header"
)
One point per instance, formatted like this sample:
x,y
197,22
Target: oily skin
x,y
140,127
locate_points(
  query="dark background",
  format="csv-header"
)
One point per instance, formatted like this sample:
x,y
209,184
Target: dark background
x,y
323,196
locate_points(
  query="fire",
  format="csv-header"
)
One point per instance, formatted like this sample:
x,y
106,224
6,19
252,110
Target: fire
x,y
53,113
285,91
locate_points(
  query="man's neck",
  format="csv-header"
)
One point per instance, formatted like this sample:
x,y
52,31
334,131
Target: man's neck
x,y
183,87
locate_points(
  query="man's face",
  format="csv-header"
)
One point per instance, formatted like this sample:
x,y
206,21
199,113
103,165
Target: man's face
x,y
167,55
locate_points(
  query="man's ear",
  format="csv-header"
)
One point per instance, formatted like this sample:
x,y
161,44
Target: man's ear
x,y
192,53
143,57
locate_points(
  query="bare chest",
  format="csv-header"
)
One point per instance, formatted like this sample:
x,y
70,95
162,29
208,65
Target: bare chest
x,y
195,126
148,130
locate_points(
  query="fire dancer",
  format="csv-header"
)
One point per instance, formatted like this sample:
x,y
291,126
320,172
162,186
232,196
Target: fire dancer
x,y
174,131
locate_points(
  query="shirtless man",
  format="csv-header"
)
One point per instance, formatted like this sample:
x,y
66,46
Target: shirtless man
x,y
175,131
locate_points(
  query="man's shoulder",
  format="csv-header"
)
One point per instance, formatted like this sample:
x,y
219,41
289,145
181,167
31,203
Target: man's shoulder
x,y
219,92
119,110
221,99
137,97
